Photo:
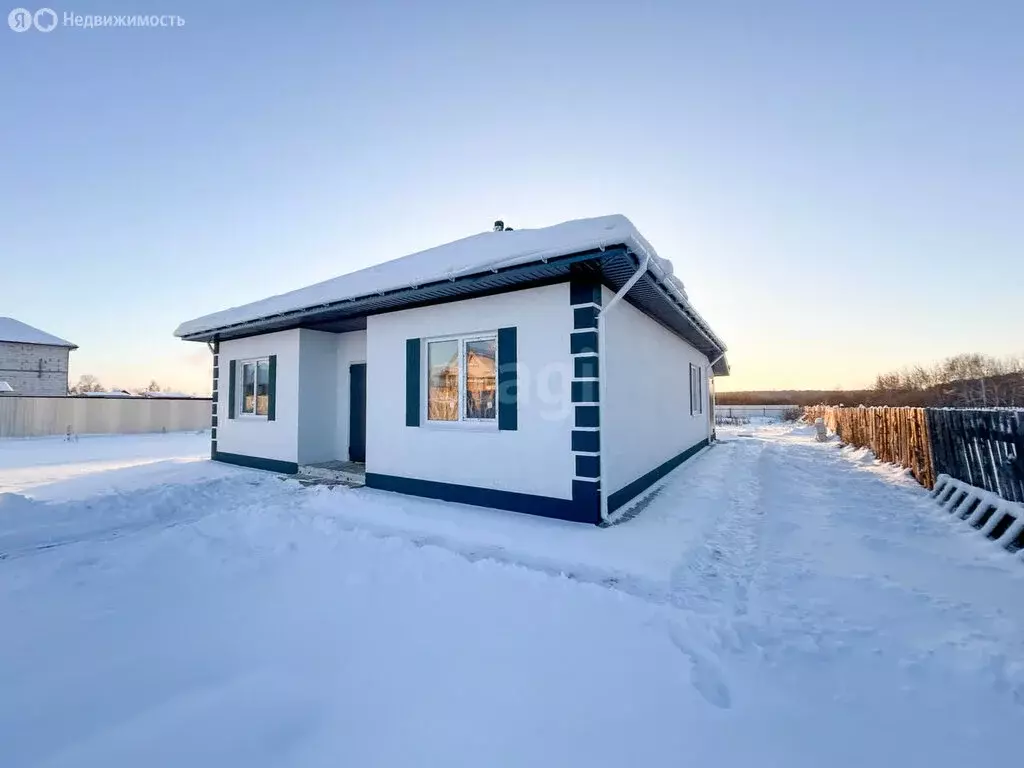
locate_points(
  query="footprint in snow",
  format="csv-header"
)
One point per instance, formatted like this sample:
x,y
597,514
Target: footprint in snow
x,y
705,675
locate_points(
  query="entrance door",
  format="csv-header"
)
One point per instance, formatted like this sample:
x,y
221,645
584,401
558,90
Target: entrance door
x,y
357,413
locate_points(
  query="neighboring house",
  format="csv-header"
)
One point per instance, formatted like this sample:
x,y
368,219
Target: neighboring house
x,y
33,362
557,371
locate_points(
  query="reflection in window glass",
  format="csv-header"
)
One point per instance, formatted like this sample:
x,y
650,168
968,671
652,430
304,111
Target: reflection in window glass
x,y
248,390
262,387
443,380
481,379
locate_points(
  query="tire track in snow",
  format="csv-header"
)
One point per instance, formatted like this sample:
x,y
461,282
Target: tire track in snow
x,y
857,566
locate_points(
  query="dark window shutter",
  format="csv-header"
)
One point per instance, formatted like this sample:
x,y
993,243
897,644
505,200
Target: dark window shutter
x,y
412,382
272,389
231,389
508,384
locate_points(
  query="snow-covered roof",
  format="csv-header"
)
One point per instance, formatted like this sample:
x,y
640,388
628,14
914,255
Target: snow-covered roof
x,y
472,255
16,331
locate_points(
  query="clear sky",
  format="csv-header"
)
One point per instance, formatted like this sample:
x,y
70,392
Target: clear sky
x,y
839,184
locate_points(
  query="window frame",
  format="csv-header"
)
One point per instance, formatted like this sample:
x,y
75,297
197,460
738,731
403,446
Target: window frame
x,y
240,411
696,390
700,390
463,421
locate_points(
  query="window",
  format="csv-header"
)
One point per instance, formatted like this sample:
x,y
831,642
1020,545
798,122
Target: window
x,y
255,387
462,379
696,389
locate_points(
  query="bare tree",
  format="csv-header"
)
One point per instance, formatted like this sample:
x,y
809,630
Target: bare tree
x,y
87,383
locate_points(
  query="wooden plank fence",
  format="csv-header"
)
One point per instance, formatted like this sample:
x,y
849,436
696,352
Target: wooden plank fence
x,y
983,447
896,435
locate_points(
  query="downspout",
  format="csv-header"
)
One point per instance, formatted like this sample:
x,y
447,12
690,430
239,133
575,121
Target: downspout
x,y
714,395
602,373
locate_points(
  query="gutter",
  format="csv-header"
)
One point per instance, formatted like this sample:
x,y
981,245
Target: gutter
x,y
602,373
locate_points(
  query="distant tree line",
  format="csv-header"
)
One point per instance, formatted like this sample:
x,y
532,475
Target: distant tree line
x,y
964,381
88,383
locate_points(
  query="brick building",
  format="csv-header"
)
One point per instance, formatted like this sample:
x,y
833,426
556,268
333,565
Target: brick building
x,y
32,362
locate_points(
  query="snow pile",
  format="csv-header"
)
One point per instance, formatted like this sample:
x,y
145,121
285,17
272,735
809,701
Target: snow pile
x,y
774,604
18,332
471,255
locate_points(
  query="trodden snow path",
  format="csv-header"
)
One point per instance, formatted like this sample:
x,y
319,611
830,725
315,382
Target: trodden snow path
x,y
777,603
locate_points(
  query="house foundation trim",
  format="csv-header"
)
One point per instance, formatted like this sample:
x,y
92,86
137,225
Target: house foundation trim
x,y
641,484
582,508
257,462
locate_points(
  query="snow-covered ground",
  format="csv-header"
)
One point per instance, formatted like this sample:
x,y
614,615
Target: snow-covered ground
x,y
778,603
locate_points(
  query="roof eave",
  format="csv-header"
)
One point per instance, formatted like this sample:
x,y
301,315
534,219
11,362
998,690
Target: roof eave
x,y
414,295
63,344
609,262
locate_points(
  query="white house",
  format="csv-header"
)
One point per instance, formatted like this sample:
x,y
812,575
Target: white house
x,y
557,371
32,362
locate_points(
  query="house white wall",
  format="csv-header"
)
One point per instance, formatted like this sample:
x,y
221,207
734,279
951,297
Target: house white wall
x,y
351,348
254,435
536,458
318,396
645,376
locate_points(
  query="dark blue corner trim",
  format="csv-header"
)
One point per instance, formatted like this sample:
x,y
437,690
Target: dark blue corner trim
x,y
585,392
587,416
586,367
584,317
544,506
584,290
587,498
641,484
587,440
583,342
588,466
412,382
508,385
213,399
257,462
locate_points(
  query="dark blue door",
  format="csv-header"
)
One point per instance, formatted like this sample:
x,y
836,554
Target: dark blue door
x,y
357,413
